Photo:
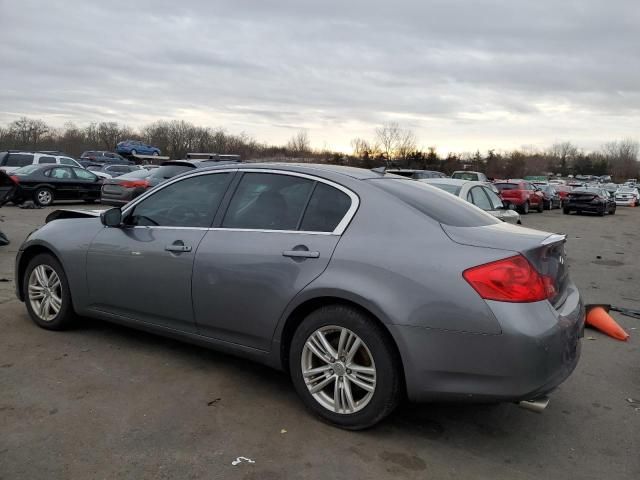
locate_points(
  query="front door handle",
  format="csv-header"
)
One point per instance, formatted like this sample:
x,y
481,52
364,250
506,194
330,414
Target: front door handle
x,y
300,254
178,247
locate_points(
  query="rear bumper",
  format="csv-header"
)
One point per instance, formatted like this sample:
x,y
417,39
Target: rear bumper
x,y
585,207
538,349
626,202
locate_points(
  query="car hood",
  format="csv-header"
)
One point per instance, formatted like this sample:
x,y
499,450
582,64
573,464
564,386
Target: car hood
x,y
62,214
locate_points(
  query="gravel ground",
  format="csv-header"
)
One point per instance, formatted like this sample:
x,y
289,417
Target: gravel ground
x,y
104,401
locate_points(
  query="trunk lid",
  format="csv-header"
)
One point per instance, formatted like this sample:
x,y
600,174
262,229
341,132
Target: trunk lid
x,y
544,250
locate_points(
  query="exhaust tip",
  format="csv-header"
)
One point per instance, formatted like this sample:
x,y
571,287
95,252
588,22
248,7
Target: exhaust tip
x,y
538,405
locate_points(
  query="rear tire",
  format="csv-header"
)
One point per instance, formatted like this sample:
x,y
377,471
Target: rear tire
x,y
43,196
46,293
566,211
541,206
524,210
134,152
375,358
603,211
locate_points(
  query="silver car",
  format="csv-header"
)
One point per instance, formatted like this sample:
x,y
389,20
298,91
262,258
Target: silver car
x,y
480,194
364,286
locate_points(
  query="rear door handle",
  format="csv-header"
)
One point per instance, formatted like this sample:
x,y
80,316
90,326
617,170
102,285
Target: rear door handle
x,y
178,247
300,254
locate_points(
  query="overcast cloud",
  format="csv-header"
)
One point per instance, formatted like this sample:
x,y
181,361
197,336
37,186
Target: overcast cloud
x,y
463,75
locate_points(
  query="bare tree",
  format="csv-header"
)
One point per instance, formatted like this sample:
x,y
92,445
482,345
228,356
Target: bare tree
x,y
388,137
562,154
299,144
407,144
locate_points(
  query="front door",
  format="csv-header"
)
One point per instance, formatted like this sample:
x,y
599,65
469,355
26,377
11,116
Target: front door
x,y
142,271
277,235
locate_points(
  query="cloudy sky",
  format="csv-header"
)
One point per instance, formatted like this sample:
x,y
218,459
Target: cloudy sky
x,y
461,74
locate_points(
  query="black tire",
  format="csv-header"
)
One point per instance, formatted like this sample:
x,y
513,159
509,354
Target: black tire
x,y
541,207
603,211
566,210
43,196
612,211
66,316
524,210
388,379
548,205
133,152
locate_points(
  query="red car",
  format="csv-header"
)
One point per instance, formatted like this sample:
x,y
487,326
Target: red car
x,y
563,191
523,195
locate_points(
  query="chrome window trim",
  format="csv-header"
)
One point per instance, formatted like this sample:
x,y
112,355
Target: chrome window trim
x,y
339,230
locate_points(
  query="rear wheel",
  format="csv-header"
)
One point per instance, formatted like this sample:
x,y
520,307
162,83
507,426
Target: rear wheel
x,y
43,196
47,294
612,211
525,208
344,368
541,206
155,154
602,211
566,210
133,152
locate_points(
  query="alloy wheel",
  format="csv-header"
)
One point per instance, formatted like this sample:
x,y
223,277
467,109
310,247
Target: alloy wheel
x,y
45,292
338,369
44,197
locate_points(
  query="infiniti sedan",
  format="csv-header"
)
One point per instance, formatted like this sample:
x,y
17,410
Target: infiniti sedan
x,y
363,286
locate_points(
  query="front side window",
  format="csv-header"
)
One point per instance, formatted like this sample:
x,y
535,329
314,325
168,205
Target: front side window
x,y
60,173
191,202
327,207
268,201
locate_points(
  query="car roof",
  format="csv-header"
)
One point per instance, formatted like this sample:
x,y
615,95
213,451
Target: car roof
x,y
308,168
451,181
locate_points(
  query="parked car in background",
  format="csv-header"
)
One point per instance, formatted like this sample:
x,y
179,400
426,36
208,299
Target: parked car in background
x,y
121,190
102,157
479,194
523,195
13,160
45,184
114,170
563,191
551,197
612,188
469,175
595,200
135,147
266,261
416,174
627,196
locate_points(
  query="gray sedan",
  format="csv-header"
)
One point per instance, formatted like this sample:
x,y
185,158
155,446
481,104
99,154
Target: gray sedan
x,y
481,194
363,286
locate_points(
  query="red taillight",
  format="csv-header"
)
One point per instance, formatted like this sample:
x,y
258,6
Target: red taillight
x,y
510,280
15,179
133,183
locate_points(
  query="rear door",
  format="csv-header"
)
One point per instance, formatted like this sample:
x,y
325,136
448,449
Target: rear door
x,y
64,182
277,235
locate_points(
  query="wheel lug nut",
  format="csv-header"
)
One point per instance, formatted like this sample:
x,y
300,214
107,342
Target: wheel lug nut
x,y
348,371
331,371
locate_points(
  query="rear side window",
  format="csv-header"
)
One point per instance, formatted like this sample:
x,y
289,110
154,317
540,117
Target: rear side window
x,y
19,160
477,196
68,161
327,207
268,201
433,202
46,160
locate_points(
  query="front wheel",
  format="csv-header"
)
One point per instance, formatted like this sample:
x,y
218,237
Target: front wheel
x,y
47,294
344,368
133,152
43,197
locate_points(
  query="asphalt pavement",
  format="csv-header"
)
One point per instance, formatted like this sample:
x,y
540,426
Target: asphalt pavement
x,y
104,401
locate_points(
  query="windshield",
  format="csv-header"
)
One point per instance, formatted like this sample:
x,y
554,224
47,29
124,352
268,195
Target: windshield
x,y
465,176
26,170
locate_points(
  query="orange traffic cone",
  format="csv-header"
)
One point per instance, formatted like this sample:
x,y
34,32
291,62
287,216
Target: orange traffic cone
x,y
598,317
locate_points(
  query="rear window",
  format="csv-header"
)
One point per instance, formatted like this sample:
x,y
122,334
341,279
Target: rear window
x,y
455,189
26,170
507,186
169,171
19,160
435,203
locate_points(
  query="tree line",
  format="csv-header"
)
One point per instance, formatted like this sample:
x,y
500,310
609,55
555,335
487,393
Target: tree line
x,y
391,146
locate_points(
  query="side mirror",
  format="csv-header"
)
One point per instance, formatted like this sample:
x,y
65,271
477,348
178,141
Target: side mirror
x,y
111,217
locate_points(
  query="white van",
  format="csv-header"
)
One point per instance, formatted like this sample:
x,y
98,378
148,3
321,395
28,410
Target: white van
x,y
13,160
